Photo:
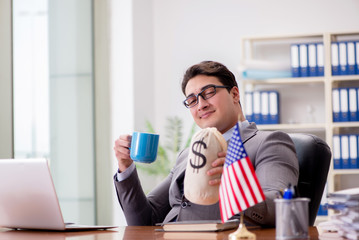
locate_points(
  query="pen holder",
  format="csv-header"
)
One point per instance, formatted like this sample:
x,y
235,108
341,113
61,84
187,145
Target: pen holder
x,y
292,218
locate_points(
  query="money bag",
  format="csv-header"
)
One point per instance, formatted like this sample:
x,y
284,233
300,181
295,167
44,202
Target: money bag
x,y
203,150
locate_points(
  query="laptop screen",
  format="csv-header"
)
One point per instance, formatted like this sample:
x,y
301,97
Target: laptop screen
x,y
27,195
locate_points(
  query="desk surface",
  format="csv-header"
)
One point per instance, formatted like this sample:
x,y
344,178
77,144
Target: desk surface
x,y
133,233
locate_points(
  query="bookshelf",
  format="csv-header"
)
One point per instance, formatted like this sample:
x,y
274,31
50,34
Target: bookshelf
x,y
299,94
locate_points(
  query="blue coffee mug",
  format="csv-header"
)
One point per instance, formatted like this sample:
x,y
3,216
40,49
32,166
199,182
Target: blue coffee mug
x,y
144,147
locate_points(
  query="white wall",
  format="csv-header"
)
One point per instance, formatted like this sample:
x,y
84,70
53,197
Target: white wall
x,y
143,63
187,32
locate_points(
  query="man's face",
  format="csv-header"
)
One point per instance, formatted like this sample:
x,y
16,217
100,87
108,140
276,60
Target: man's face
x,y
220,111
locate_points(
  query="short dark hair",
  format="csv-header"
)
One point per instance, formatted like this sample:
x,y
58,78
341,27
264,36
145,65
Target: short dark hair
x,y
210,68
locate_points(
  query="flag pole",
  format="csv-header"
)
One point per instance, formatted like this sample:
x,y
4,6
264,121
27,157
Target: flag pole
x,y
242,232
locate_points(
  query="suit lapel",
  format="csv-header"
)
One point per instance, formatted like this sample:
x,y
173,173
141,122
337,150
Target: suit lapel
x,y
248,132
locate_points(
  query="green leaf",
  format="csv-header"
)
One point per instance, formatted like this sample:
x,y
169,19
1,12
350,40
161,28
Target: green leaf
x,y
174,134
192,132
149,127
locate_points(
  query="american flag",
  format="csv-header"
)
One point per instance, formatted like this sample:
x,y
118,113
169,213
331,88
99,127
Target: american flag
x,y
239,187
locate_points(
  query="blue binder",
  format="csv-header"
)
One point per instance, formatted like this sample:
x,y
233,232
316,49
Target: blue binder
x,y
323,210
294,53
320,59
335,58
303,60
353,104
257,107
264,107
248,106
353,148
357,57
312,59
336,152
344,105
343,58
336,104
273,107
344,142
351,57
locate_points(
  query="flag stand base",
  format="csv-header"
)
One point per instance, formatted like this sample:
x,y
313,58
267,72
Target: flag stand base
x,y
242,232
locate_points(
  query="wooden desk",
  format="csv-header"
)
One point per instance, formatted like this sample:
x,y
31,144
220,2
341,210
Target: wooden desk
x,y
133,233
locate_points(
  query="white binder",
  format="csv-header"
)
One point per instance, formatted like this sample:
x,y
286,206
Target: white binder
x,y
344,141
264,108
343,58
294,53
336,105
335,58
336,152
351,58
274,107
303,57
249,106
312,59
353,153
320,59
344,102
257,107
353,107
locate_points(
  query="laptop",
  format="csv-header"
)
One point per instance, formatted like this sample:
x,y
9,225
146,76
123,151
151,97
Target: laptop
x,y
28,197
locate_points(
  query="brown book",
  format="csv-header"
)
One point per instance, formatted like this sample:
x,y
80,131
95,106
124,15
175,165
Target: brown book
x,y
200,226
194,235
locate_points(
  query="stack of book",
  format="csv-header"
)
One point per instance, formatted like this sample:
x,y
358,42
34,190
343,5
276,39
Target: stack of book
x,y
199,226
345,223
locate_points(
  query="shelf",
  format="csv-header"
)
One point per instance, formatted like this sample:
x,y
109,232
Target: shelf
x,y
344,78
345,171
296,36
345,125
308,126
281,37
299,93
301,80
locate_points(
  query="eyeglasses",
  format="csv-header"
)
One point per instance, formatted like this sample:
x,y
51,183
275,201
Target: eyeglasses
x,y
206,93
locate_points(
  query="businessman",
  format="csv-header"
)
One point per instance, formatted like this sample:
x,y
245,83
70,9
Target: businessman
x,y
212,97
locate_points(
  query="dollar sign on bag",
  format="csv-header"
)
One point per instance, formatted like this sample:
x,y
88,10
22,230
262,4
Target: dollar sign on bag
x,y
196,149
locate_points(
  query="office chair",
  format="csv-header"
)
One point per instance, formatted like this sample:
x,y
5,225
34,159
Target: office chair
x,y
314,157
